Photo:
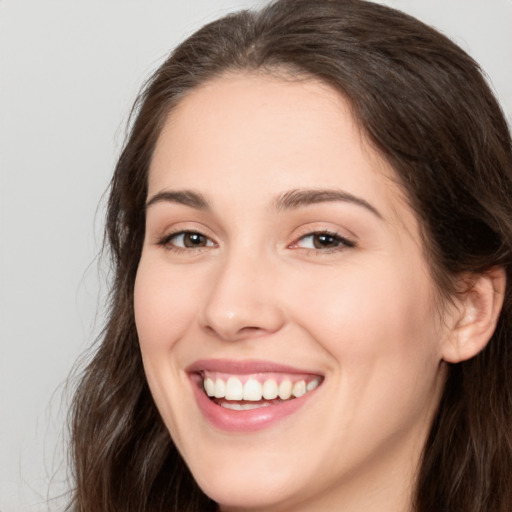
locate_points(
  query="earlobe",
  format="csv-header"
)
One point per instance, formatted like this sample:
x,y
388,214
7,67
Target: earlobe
x,y
477,314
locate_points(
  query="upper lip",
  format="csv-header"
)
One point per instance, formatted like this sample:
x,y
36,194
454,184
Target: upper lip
x,y
244,367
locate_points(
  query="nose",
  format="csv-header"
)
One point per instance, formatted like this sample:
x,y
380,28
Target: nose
x,y
242,301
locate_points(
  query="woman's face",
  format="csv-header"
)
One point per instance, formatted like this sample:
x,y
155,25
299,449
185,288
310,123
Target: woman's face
x,y
280,258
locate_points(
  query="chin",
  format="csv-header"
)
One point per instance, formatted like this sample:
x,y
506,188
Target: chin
x,y
249,484
254,492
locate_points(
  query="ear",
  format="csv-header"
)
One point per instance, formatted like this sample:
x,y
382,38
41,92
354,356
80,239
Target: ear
x,y
477,312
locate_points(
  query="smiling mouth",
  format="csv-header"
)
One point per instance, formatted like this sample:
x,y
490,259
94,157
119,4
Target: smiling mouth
x,y
246,392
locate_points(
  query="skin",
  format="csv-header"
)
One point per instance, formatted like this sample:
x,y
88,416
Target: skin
x,y
366,316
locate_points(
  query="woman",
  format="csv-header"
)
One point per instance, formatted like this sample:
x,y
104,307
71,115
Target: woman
x,y
311,229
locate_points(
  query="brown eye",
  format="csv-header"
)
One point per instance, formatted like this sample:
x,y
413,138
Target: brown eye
x,y
186,240
194,240
324,241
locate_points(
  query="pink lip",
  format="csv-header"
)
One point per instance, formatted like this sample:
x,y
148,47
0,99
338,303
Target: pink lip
x,y
243,367
249,420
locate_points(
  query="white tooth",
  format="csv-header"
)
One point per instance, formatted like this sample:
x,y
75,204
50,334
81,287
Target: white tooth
x,y
252,390
312,385
285,390
299,388
220,388
234,389
209,386
246,407
270,389
235,406
242,407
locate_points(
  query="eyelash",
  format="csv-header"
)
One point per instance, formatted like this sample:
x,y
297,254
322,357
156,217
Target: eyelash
x,y
166,240
341,242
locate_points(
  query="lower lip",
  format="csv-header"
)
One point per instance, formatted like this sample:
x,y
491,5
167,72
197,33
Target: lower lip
x,y
244,421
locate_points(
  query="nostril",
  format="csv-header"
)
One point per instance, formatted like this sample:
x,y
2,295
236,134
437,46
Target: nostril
x,y
250,329
236,334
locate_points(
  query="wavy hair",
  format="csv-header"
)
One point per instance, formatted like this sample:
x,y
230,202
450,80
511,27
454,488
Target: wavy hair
x,y
425,106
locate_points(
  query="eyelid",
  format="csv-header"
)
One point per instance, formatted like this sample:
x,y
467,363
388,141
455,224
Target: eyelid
x,y
165,240
345,242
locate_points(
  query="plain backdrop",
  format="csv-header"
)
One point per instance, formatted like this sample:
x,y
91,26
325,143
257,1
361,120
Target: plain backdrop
x,y
69,72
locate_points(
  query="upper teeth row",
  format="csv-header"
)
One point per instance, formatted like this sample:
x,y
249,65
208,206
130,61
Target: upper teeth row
x,y
253,390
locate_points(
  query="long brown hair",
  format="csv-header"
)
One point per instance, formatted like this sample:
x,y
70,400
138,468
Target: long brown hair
x,y
425,106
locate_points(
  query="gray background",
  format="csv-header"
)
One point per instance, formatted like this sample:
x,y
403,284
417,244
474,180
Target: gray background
x,y
69,72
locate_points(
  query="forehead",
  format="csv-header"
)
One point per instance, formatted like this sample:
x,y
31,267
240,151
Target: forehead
x,y
263,112
255,133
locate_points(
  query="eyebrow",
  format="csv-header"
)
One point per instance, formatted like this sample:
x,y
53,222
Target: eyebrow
x,y
186,197
288,201
297,198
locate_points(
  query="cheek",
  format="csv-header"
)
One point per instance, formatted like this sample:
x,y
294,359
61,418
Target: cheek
x,y
379,319
380,331
162,306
